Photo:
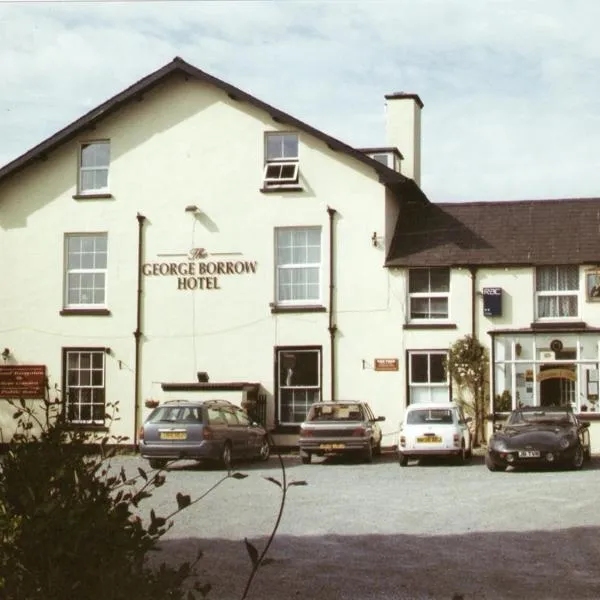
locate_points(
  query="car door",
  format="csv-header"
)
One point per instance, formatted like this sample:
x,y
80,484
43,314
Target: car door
x,y
463,424
236,432
374,425
250,433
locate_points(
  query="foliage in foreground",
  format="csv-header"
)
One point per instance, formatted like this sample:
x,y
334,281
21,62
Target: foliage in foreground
x,y
70,525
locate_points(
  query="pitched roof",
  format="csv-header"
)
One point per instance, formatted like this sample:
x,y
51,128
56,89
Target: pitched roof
x,y
387,176
510,233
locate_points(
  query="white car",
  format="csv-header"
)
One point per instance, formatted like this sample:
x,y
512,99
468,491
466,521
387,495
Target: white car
x,y
434,429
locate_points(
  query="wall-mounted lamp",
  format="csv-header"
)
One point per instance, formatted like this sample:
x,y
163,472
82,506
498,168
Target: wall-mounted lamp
x,y
374,239
192,208
5,354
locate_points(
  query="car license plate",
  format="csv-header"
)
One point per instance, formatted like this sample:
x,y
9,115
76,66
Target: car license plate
x,y
529,453
332,446
173,435
429,439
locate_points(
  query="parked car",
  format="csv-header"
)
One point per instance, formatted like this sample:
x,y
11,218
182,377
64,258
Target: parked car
x,y
340,428
539,436
215,430
434,429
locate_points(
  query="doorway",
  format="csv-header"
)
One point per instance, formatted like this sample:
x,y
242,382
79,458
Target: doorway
x,y
557,384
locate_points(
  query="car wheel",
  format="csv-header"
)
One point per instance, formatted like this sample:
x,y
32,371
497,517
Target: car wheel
x,y
403,460
305,457
377,450
578,458
226,455
157,463
491,465
587,454
368,454
265,450
469,453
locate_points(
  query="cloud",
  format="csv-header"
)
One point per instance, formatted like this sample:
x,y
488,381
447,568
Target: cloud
x,y
508,86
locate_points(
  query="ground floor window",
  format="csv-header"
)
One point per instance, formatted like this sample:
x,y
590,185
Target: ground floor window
x,y
84,385
546,370
298,382
427,377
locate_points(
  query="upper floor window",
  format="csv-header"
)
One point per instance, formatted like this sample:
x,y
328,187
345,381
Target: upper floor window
x,y
557,291
429,291
85,276
93,167
281,159
298,260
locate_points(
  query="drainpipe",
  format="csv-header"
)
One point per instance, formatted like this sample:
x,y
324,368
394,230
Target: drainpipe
x,y
473,271
332,328
137,334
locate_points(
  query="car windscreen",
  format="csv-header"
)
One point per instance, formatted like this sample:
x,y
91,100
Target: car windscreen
x,y
549,417
176,414
430,416
337,412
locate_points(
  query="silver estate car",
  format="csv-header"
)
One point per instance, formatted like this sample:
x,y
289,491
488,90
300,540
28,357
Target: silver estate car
x,y
214,430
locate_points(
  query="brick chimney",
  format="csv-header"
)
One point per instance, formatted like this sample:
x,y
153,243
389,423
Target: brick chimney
x,y
403,130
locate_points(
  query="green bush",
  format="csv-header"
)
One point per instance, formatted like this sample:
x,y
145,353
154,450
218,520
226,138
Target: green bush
x,y
68,523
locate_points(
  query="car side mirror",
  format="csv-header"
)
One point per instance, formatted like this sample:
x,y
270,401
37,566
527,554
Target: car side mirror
x,y
498,427
380,419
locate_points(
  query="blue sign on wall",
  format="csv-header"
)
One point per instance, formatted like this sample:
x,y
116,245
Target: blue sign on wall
x,y
492,302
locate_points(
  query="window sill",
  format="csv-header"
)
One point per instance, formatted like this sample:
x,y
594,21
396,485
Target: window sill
x,y
429,326
85,312
563,325
279,189
296,309
84,427
100,196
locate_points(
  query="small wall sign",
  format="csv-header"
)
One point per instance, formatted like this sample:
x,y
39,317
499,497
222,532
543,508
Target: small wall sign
x,y
23,381
492,302
386,364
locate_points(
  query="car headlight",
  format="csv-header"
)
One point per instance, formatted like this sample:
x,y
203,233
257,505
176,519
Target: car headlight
x,y
498,445
565,442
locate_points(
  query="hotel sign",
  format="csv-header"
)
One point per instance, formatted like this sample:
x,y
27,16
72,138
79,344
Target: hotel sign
x,y
197,272
386,364
23,381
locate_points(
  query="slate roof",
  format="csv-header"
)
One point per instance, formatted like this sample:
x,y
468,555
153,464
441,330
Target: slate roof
x,y
389,177
509,233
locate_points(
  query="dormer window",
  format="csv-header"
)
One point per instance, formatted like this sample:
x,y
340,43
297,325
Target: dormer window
x,y
281,160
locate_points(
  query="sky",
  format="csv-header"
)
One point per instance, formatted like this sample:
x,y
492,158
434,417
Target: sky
x,y
510,87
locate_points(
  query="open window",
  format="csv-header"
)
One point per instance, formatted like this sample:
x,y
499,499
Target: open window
x,y
281,160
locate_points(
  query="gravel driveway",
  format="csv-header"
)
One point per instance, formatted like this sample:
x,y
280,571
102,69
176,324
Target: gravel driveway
x,y
381,532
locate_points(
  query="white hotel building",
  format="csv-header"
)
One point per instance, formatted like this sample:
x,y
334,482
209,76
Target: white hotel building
x,y
185,239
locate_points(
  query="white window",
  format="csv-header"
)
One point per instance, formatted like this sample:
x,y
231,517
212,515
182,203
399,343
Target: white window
x,y
298,260
557,292
85,277
84,379
429,291
299,382
281,159
93,167
428,381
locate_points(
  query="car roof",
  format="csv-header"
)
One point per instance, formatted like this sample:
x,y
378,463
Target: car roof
x,y
185,402
554,408
431,405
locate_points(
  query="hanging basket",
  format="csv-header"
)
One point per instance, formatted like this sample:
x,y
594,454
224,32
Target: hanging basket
x,y
151,403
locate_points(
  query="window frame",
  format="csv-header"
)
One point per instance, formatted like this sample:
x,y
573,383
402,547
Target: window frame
x,y
82,169
550,293
297,266
428,295
316,389
281,161
428,384
68,387
68,271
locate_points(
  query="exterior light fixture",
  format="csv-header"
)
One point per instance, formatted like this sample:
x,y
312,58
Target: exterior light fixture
x,y
374,239
192,208
5,354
